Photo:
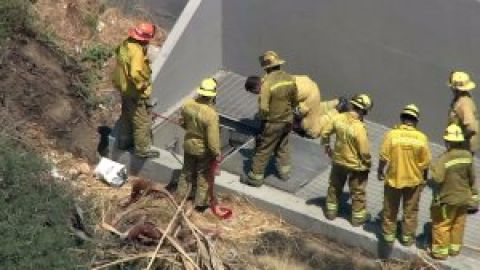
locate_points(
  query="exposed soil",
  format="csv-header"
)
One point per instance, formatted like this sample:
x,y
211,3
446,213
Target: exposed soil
x,y
36,93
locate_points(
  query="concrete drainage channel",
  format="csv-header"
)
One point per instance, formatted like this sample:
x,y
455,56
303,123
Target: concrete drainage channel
x,y
346,50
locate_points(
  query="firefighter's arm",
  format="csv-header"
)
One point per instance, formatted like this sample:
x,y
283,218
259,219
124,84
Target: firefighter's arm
x,y
180,120
437,170
303,108
384,156
137,70
325,135
213,135
425,158
466,114
264,101
473,182
363,147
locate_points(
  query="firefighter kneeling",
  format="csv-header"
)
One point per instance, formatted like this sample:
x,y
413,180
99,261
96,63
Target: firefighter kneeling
x,y
453,176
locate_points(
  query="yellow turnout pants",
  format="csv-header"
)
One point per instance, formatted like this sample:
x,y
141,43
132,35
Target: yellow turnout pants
x,y
410,197
274,140
448,224
357,181
195,172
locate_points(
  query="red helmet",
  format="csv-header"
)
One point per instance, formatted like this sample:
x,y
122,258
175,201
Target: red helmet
x,y
142,32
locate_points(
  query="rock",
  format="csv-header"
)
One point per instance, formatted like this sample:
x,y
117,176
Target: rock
x,y
83,168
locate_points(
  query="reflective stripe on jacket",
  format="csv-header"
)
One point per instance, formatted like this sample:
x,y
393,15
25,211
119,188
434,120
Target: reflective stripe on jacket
x,y
201,125
132,74
351,142
278,97
407,152
454,173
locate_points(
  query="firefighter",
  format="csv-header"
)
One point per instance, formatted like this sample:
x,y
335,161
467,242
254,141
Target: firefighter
x,y
201,142
277,100
311,113
351,158
463,112
132,76
454,178
406,151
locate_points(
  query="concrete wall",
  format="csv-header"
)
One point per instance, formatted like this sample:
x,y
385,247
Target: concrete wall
x,y
397,51
192,51
165,12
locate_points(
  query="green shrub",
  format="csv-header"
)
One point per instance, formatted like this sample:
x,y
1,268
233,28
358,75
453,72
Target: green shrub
x,y
97,54
14,16
35,215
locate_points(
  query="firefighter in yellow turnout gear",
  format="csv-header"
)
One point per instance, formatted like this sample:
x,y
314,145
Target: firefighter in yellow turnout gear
x,y
314,114
132,76
454,178
463,112
351,160
277,100
406,151
201,142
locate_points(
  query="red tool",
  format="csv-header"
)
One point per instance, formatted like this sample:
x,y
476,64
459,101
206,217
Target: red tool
x,y
220,211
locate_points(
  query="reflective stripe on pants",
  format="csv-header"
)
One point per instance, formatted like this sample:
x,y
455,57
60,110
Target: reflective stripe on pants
x,y
357,181
448,225
410,198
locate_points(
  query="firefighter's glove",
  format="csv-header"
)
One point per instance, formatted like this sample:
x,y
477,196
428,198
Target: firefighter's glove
x,y
297,114
380,175
328,151
473,204
151,102
216,165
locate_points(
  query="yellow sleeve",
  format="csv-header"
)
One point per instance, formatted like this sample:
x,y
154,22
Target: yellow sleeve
x,y
264,100
386,147
327,130
326,106
465,112
425,155
303,108
137,70
438,169
363,146
213,135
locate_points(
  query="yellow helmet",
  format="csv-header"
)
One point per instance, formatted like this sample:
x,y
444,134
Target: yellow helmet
x,y
461,81
270,59
453,133
362,101
412,110
208,88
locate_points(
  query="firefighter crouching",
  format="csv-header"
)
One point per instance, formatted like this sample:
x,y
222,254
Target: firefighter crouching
x,y
454,178
312,114
201,143
311,109
406,151
351,160
132,77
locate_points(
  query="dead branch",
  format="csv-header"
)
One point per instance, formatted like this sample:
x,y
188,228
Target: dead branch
x,y
167,231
